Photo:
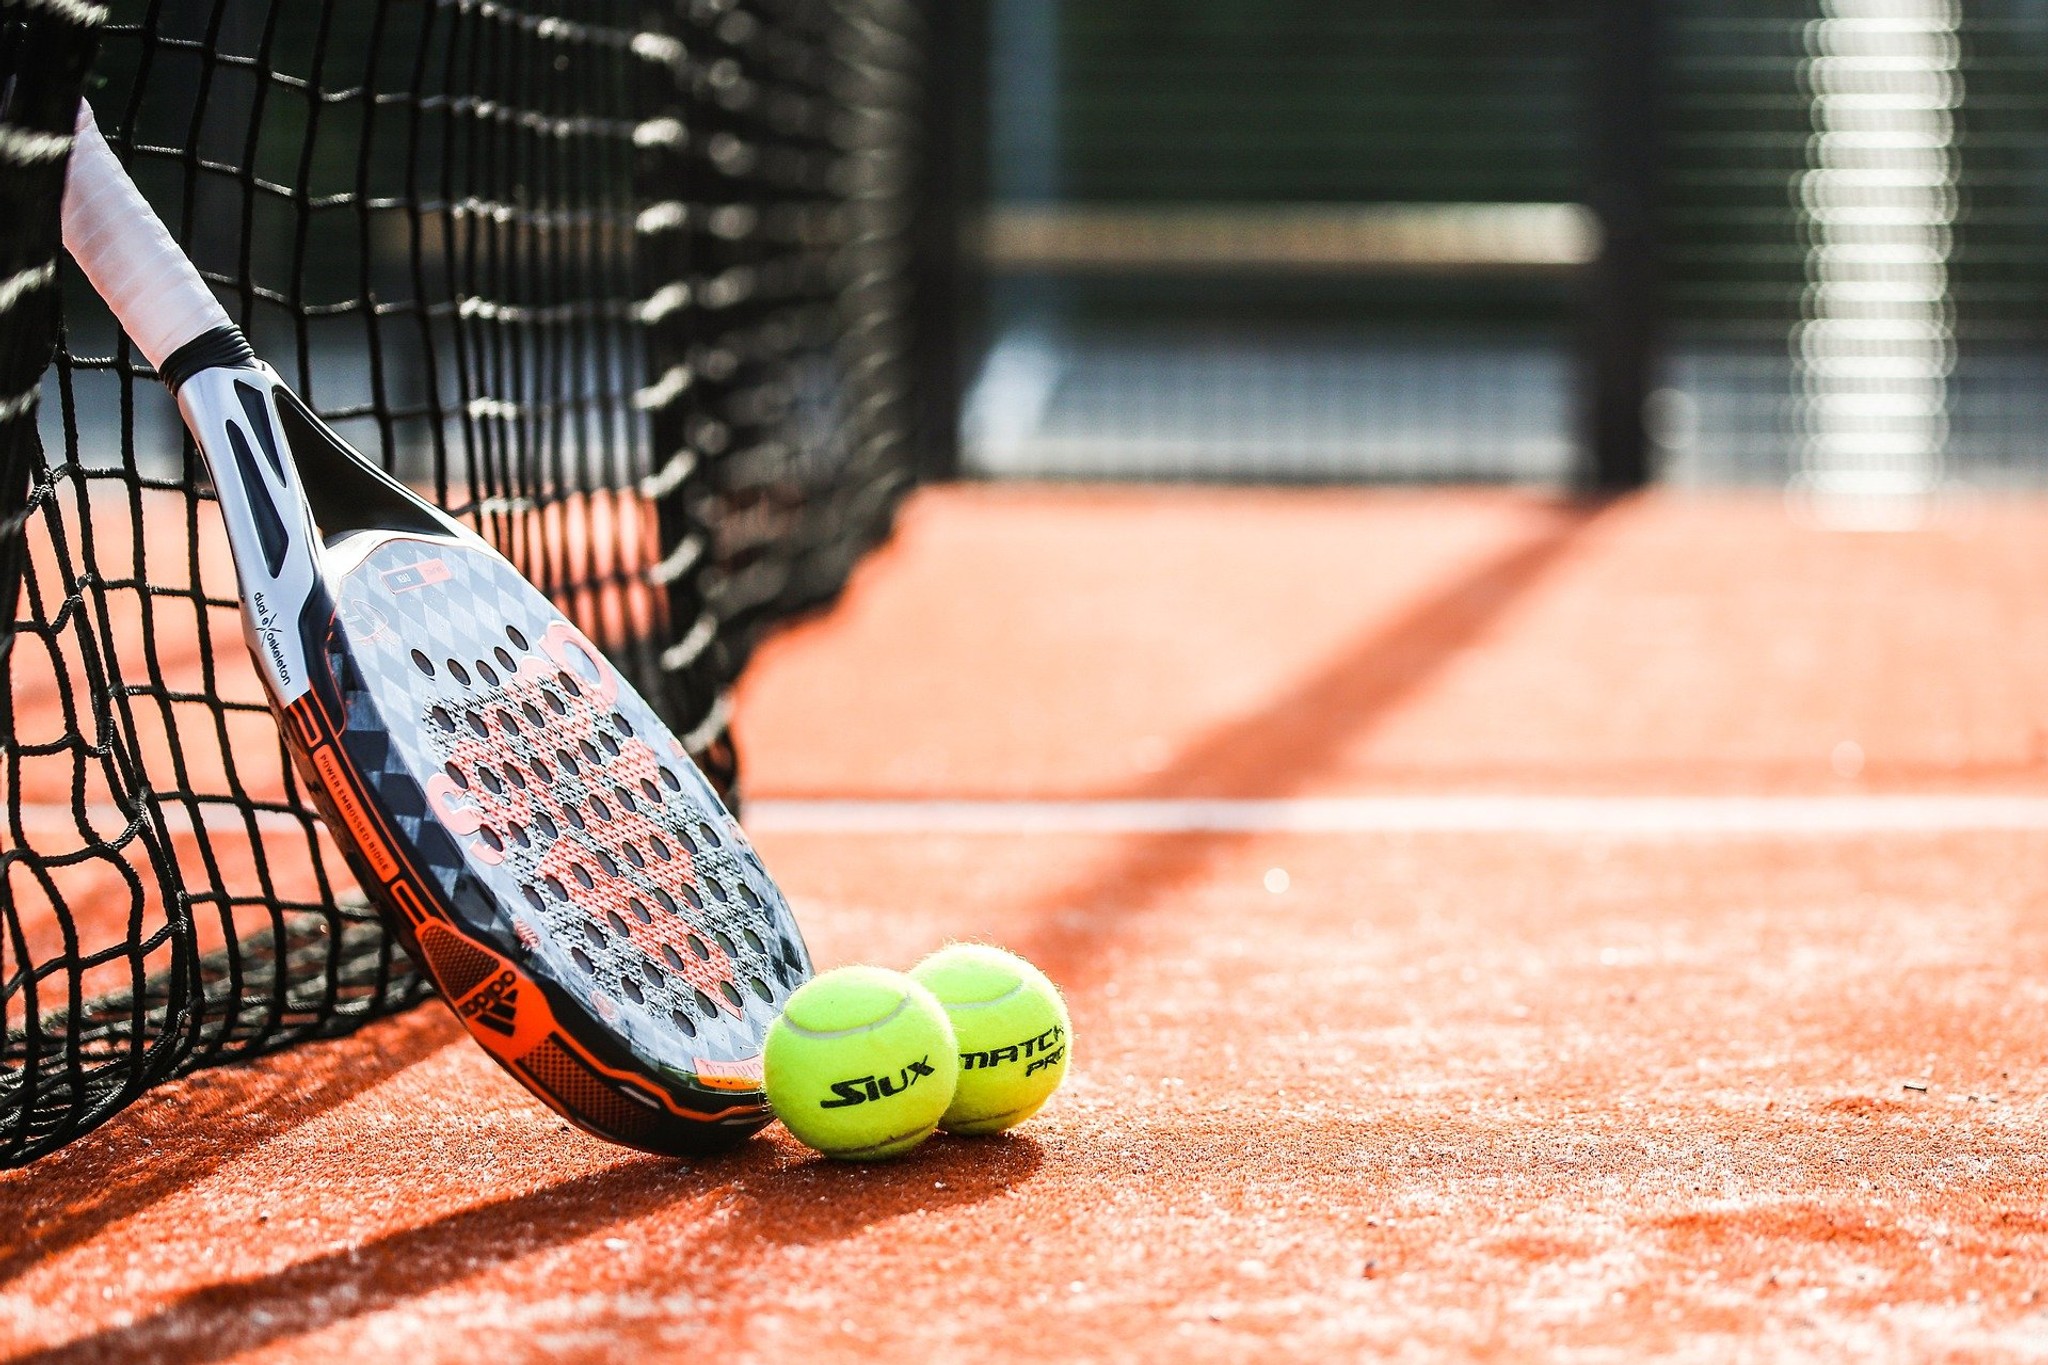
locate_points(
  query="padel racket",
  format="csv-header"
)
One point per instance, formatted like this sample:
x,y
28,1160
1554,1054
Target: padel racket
x,y
534,833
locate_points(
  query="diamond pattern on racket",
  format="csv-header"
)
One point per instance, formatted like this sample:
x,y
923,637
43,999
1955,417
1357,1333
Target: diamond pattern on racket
x,y
556,812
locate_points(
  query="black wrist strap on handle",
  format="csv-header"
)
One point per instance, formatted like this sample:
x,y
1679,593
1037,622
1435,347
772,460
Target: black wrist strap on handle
x,y
220,348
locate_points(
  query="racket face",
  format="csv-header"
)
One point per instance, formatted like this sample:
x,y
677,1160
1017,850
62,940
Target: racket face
x,y
585,901
547,849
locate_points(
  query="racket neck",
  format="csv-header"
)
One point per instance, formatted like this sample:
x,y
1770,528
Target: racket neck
x,y
232,412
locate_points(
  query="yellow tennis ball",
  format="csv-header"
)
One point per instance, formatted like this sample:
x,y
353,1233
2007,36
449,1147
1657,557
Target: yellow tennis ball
x,y
1013,1031
861,1064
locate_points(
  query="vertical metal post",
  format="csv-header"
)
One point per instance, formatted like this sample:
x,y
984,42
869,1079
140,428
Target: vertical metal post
x,y
1876,342
944,277
1622,323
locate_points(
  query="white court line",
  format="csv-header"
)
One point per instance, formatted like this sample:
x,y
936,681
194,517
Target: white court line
x,y
1626,816
1614,816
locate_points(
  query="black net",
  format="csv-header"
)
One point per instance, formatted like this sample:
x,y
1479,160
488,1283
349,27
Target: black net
x,y
626,286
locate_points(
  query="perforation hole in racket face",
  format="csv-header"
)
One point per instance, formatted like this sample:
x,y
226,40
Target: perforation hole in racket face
x,y
604,853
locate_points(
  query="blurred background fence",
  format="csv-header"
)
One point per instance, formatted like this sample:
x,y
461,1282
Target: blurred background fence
x,y
1585,243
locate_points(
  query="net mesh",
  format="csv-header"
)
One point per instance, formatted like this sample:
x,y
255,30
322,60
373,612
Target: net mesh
x,y
624,286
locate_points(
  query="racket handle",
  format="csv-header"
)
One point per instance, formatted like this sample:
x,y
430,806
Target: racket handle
x,y
128,254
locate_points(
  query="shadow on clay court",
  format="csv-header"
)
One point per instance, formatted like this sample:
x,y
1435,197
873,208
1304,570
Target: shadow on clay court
x,y
1275,751
192,1128
801,1206
1282,747
754,1192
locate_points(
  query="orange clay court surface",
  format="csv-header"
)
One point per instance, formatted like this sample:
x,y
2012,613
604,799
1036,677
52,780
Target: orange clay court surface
x,y
1507,1090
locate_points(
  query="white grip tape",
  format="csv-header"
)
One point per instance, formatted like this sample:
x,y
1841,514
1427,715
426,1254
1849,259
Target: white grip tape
x,y
128,254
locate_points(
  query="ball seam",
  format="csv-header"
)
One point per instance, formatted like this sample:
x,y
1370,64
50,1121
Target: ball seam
x,y
981,1004
793,1026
